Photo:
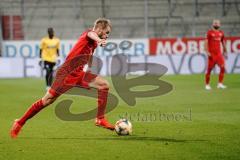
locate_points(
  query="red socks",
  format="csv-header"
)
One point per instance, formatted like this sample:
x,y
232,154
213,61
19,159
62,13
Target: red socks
x,y
102,102
38,105
220,78
221,75
207,76
33,110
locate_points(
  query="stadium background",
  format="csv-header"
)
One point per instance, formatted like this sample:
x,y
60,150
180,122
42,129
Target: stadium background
x,y
158,28
169,32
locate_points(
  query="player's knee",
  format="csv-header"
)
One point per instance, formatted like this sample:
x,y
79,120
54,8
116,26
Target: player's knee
x,y
222,66
48,101
104,86
45,102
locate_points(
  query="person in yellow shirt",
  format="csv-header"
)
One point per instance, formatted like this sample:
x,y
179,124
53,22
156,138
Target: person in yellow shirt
x,y
49,53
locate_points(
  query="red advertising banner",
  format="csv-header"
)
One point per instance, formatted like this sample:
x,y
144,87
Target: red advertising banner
x,y
158,46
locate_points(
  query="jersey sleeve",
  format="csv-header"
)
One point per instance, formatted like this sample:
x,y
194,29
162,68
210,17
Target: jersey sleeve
x,y
89,39
208,35
84,35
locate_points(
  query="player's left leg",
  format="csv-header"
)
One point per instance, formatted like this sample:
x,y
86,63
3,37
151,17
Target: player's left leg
x,y
50,78
48,66
32,111
103,87
211,64
221,64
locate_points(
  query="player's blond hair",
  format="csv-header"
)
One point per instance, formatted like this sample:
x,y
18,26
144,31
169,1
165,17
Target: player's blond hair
x,y
102,23
218,20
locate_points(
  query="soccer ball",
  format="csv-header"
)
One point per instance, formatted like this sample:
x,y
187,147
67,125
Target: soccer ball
x,y
123,127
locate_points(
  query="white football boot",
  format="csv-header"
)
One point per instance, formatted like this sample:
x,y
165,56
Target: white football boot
x,y
221,86
208,87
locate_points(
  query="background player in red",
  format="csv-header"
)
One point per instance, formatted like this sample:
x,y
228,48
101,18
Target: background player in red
x,y
71,74
213,46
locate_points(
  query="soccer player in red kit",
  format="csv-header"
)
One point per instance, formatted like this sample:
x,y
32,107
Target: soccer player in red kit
x,y
214,41
71,73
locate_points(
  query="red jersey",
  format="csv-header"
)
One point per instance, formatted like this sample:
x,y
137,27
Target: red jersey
x,y
215,38
78,56
71,72
84,46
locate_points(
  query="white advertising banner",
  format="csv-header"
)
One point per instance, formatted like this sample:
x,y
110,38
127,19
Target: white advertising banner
x,y
30,49
11,67
20,58
176,64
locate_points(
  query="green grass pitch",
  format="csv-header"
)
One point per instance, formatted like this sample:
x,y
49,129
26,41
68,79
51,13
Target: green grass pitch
x,y
189,123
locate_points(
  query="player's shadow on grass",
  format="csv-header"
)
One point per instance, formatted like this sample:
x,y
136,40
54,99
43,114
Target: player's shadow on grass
x,y
144,138
121,138
140,138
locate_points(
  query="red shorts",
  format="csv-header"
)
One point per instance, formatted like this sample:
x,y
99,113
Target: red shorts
x,y
64,82
213,60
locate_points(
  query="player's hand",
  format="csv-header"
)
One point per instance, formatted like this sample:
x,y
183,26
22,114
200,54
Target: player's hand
x,y
90,69
225,56
85,68
102,42
40,62
58,61
209,55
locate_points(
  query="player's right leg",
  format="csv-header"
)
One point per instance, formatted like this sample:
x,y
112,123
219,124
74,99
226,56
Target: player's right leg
x,y
102,86
48,66
210,66
32,111
50,78
221,64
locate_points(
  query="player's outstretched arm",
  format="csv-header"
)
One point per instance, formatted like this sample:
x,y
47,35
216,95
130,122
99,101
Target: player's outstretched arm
x,y
93,35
